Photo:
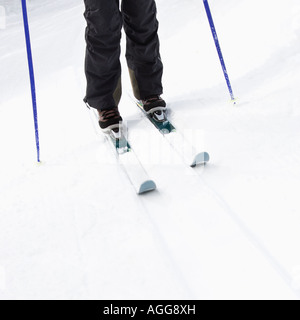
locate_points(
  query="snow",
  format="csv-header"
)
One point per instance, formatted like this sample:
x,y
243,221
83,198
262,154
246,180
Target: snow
x,y
73,227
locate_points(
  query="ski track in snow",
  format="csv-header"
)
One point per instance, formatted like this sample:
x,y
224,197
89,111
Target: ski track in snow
x,y
72,227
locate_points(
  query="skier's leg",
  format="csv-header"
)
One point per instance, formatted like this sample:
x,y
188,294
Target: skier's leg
x,y
102,63
143,57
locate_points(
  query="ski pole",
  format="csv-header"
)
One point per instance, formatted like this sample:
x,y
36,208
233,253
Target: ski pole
x,y
31,75
215,36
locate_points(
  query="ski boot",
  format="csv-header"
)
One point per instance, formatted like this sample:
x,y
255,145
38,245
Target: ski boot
x,y
155,107
110,121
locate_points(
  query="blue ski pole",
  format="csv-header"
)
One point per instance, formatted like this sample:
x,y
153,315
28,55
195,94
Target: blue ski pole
x,y
31,75
215,36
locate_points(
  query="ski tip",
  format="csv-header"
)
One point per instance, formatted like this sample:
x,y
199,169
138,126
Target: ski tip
x,y
147,186
200,159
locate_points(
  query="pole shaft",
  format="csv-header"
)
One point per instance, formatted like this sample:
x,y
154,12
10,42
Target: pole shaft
x,y
215,36
31,75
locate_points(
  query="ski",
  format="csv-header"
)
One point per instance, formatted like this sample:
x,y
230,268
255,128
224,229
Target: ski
x,y
127,159
177,140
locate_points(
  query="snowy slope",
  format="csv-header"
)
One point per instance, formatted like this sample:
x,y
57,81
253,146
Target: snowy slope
x,y
72,227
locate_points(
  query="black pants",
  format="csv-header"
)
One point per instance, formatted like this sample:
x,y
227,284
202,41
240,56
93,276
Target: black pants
x,y
102,64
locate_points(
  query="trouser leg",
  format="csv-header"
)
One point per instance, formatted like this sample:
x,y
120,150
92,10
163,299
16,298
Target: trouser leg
x,y
142,52
102,63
